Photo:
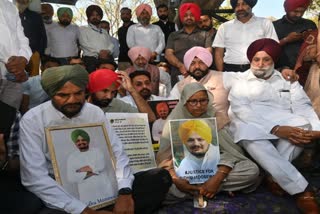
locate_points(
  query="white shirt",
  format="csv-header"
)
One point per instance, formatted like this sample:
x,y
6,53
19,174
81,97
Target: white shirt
x,y
150,36
116,47
92,40
257,105
63,40
35,159
157,128
12,39
129,99
48,27
236,37
33,88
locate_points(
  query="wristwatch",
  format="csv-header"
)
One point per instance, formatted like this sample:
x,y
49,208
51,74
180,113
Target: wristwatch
x,y
125,191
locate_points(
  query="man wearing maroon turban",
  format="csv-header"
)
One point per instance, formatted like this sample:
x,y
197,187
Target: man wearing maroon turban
x,y
146,34
272,119
291,29
95,42
103,85
234,37
181,41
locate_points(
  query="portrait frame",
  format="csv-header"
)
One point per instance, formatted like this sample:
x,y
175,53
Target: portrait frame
x,y
195,148
63,155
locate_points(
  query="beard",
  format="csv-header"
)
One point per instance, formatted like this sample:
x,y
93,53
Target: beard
x,y
207,28
69,110
95,22
263,73
102,103
145,93
163,17
198,74
242,14
144,21
64,22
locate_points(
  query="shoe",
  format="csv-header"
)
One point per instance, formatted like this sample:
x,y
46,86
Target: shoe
x,y
307,204
274,187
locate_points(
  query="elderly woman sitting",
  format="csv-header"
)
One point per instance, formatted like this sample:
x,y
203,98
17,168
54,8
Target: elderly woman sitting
x,y
235,171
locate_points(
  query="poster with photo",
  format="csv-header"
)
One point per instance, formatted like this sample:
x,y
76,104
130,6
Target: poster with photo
x,y
83,163
134,133
161,109
195,148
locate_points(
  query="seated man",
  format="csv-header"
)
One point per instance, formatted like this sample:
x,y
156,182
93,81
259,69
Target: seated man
x,y
141,81
140,57
66,85
270,118
107,64
103,85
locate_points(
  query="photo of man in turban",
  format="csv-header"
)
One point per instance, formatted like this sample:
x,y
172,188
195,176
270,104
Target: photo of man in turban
x,y
87,168
200,148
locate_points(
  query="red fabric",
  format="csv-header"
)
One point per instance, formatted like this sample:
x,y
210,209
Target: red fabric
x,y
270,46
291,5
102,79
194,8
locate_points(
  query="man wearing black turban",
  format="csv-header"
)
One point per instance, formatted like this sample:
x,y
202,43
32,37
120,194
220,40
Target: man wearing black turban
x,y
234,37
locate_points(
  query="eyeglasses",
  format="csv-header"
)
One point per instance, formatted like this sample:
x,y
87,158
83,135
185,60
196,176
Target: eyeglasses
x,y
195,102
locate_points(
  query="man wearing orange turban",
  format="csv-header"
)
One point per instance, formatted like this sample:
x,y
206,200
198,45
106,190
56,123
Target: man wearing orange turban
x,y
181,41
146,34
270,118
291,29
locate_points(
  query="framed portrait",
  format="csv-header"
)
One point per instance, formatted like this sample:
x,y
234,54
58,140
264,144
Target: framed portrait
x,y
162,109
83,163
195,148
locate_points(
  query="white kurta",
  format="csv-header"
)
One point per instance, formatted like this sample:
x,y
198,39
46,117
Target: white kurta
x,y
101,186
157,128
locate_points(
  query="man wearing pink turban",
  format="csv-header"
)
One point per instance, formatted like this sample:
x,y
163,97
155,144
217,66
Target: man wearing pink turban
x,y
140,57
145,34
234,37
271,119
291,29
181,41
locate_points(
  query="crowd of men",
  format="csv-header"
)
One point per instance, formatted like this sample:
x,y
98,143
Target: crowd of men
x,y
59,73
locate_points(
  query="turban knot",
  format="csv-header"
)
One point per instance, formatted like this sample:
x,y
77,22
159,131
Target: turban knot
x,y
63,10
291,5
251,3
142,7
195,126
271,47
134,52
54,78
93,8
102,79
79,132
199,52
194,9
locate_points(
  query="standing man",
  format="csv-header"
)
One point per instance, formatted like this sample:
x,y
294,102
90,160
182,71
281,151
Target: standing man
x,y
106,25
164,23
290,30
95,42
124,60
145,34
64,37
181,41
234,37
36,33
47,12
206,24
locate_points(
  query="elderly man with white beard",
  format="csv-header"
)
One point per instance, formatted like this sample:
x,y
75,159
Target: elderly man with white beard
x,y
273,119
